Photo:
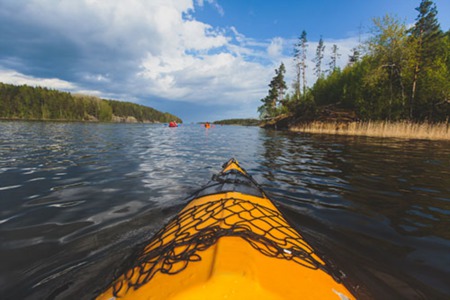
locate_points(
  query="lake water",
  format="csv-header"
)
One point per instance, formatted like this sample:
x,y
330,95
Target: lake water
x,y
76,198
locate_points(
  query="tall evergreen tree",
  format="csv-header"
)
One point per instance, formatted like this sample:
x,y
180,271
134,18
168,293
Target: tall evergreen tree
x,y
334,57
280,84
298,69
300,65
304,46
276,93
425,35
319,57
355,56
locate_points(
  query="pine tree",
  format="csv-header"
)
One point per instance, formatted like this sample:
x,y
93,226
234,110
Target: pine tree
x,y
276,93
356,51
304,46
334,57
355,56
425,35
280,84
298,70
319,57
300,64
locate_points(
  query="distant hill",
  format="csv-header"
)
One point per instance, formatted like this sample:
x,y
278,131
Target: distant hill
x,y
38,103
243,122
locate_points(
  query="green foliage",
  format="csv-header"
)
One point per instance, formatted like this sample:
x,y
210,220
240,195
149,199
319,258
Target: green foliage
x,y
140,112
426,39
389,55
275,96
37,103
403,74
306,108
243,122
328,90
334,57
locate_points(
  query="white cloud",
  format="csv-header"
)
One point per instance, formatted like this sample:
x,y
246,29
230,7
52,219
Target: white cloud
x,y
220,78
276,47
153,49
16,78
97,77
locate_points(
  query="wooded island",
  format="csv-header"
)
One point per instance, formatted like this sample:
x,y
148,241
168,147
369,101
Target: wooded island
x,y
39,103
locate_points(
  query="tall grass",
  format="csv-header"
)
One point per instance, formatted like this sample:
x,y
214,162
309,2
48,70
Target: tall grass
x,y
404,129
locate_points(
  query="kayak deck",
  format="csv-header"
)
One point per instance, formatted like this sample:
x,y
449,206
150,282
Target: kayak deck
x,y
230,241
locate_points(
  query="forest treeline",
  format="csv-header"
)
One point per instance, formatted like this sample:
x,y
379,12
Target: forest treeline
x,y
399,73
39,103
243,122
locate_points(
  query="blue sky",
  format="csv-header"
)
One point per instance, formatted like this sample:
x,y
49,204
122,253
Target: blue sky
x,y
202,60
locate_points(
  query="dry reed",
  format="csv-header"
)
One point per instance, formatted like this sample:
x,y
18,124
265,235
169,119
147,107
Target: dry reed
x,y
405,129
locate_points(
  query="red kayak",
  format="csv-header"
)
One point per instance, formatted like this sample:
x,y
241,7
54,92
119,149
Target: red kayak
x,y
173,124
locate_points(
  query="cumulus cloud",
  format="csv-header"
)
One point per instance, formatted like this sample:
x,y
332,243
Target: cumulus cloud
x,y
276,47
146,45
219,78
139,49
16,78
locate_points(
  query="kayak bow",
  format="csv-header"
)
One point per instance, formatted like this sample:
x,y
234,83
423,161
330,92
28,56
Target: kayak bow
x,y
230,241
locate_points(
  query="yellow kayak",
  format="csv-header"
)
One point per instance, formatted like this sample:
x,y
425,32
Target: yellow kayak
x,y
229,242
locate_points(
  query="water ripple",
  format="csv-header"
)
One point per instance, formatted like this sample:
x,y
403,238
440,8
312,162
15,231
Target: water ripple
x,y
76,198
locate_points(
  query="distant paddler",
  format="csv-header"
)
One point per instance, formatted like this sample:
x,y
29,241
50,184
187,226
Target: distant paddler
x,y
173,124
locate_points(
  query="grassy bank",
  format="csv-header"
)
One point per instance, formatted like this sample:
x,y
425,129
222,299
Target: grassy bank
x,y
410,130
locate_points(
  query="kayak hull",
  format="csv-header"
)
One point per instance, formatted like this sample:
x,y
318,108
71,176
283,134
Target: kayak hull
x,y
231,245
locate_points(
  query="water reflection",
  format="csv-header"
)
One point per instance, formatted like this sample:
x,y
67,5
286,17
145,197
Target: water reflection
x,y
386,198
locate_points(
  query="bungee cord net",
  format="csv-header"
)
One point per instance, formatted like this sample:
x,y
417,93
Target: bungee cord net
x,y
199,227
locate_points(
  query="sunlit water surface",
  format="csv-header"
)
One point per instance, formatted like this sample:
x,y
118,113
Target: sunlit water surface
x,y
75,200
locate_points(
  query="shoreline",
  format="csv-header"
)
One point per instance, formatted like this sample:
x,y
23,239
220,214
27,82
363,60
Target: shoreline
x,y
383,129
119,120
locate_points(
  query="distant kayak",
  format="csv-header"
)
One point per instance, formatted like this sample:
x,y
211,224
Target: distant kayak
x,y
173,124
229,242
